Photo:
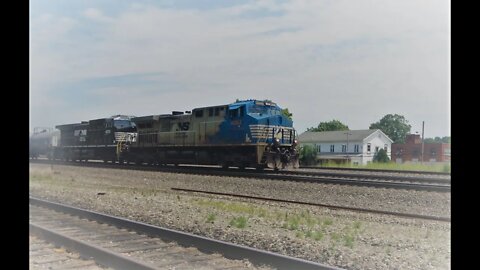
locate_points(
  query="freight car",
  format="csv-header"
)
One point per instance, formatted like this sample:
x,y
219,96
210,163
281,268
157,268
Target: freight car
x,y
249,133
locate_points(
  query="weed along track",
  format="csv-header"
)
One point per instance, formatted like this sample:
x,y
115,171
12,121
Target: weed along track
x,y
363,210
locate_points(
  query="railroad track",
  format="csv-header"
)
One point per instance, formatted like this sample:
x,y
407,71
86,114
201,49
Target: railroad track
x,y
336,207
357,180
124,244
378,170
371,176
45,255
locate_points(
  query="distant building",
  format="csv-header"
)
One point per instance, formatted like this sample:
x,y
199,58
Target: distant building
x,y
355,146
411,151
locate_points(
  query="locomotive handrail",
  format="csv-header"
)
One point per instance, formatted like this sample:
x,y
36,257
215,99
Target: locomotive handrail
x,y
119,143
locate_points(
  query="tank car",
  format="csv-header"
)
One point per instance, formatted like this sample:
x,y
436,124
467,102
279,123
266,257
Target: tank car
x,y
101,139
42,142
249,133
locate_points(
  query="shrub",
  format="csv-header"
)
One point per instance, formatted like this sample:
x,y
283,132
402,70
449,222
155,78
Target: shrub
x,y
381,156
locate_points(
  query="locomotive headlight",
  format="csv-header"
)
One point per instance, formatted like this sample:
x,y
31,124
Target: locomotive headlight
x,y
295,143
276,141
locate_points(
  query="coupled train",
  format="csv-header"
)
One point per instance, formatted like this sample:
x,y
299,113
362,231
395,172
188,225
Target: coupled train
x,y
249,133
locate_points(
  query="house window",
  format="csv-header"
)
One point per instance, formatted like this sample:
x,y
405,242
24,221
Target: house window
x,y
332,148
319,148
376,149
385,147
344,148
369,147
356,148
433,152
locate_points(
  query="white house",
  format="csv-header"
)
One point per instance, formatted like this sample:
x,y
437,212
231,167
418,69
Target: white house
x,y
356,146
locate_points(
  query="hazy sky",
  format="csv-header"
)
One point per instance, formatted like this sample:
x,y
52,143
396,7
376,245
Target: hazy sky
x,y
354,61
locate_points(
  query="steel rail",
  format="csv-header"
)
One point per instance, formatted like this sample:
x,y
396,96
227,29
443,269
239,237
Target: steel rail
x,y
375,170
336,207
204,244
399,178
267,175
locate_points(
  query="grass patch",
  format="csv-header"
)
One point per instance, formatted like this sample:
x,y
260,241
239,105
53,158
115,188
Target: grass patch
x,y
239,222
317,236
302,223
211,218
41,177
328,222
394,166
233,207
293,223
357,225
349,240
335,237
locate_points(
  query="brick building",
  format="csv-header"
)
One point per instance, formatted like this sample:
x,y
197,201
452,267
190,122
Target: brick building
x,y
411,151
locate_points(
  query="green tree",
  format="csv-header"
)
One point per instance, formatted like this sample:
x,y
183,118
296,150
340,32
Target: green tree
x,y
287,113
308,155
333,125
446,139
394,125
381,156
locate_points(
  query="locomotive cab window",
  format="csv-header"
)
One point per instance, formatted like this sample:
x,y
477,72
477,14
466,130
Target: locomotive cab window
x,y
233,113
199,113
236,112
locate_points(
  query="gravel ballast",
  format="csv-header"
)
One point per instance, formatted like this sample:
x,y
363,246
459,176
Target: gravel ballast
x,y
341,238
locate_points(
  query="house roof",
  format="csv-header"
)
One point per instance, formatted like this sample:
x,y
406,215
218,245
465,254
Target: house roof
x,y
337,136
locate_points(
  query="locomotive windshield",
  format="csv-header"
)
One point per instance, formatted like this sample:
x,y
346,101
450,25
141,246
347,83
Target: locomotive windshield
x,y
263,110
124,125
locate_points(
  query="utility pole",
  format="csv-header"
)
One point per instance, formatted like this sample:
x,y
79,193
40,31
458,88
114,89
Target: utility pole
x,y
348,157
423,129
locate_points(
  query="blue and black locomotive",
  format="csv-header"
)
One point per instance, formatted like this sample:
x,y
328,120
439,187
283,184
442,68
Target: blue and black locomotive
x,y
249,133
